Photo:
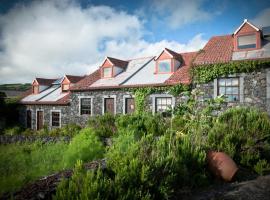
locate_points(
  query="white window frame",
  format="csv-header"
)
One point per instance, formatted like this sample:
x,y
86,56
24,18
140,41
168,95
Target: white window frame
x,y
36,116
241,86
60,118
86,97
125,97
32,117
154,96
103,102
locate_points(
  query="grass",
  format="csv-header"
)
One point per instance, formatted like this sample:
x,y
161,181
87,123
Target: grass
x,y
23,163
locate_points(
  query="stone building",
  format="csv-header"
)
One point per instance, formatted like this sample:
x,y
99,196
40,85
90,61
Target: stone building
x,y
62,101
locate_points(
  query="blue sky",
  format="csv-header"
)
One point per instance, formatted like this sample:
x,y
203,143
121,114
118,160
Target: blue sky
x,y
55,37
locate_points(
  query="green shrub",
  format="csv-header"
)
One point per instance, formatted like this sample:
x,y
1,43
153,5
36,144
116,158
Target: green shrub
x,y
67,130
262,167
243,133
85,146
13,131
140,124
104,125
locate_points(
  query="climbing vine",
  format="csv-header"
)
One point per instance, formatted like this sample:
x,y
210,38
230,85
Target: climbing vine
x,y
206,73
140,94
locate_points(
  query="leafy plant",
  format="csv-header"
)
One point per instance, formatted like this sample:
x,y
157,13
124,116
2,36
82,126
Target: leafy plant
x,y
243,133
85,146
104,125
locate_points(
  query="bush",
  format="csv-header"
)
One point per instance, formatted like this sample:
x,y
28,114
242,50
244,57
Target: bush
x,y
13,131
85,146
104,125
67,130
243,133
145,168
141,124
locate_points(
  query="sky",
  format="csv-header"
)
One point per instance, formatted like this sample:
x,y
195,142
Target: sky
x,y
51,38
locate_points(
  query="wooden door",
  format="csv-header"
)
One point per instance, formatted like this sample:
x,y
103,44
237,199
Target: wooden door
x,y
28,119
109,105
39,120
130,105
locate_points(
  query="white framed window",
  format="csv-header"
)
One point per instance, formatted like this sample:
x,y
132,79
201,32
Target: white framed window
x,y
164,66
230,88
109,104
107,72
162,102
86,105
56,118
246,41
128,104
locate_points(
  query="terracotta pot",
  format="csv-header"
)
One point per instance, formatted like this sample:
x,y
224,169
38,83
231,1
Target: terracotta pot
x,y
221,165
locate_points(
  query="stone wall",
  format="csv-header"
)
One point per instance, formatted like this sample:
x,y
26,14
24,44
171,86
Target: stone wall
x,y
254,89
65,114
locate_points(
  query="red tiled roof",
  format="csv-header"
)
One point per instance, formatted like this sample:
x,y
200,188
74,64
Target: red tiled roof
x,y
182,74
87,81
118,63
218,49
174,54
74,79
45,81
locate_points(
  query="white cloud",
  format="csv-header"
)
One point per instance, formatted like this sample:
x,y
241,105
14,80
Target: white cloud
x,y
262,18
180,12
52,38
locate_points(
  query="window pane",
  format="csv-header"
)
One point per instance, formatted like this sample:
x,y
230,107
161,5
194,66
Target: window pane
x,y
164,66
86,106
221,82
228,90
235,82
247,41
107,72
235,90
56,119
163,103
221,90
228,82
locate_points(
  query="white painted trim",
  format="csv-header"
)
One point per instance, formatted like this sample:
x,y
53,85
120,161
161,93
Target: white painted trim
x,y
32,117
60,118
82,97
241,88
36,116
246,21
103,102
215,87
154,96
127,96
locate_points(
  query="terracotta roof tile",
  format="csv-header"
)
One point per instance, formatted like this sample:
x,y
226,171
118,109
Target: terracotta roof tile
x,y
118,63
87,81
45,81
74,79
182,74
217,50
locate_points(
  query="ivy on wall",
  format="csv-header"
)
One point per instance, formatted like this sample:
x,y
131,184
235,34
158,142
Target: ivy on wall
x,y
207,73
140,94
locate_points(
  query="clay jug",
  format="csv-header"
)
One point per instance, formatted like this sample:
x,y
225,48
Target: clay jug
x,y
221,165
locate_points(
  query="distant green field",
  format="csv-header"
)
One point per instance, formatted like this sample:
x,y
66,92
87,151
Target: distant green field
x,y
15,86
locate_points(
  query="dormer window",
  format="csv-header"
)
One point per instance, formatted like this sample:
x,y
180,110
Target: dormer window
x,y
247,37
111,67
65,87
107,72
164,66
246,41
167,62
35,89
